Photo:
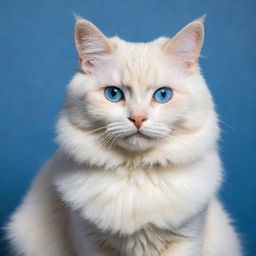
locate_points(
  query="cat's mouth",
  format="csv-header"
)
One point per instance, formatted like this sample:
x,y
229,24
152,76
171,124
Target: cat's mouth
x,y
138,134
136,139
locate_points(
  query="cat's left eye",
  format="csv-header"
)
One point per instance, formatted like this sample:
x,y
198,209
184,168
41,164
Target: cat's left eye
x,y
113,94
163,95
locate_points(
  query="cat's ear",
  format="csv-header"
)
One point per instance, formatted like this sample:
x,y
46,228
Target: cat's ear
x,y
91,43
186,45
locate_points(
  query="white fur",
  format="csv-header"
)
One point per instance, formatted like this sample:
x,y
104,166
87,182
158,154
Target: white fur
x,y
110,191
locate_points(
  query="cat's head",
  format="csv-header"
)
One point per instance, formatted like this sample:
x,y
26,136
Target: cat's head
x,y
134,97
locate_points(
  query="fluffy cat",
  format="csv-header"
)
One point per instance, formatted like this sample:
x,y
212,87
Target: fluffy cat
x,y
137,172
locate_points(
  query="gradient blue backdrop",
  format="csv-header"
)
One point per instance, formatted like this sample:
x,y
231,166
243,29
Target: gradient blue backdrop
x,y
37,59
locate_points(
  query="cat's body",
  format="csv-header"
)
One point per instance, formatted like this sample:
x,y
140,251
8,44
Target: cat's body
x,y
110,191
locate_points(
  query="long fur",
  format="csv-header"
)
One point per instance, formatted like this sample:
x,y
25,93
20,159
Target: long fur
x,y
110,191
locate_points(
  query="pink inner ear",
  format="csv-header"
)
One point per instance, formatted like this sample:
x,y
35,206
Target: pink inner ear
x,y
90,42
186,45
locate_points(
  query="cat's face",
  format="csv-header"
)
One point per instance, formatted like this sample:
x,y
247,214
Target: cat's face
x,y
135,96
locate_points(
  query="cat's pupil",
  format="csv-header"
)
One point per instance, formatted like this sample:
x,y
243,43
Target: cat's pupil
x,y
163,93
113,92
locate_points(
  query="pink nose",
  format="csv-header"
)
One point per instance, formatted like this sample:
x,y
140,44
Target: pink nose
x,y
137,120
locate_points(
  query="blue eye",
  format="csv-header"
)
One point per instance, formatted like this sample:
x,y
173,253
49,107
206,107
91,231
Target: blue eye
x,y
113,94
163,94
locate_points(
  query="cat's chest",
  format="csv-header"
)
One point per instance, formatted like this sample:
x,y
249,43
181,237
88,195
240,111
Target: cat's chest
x,y
124,201
149,241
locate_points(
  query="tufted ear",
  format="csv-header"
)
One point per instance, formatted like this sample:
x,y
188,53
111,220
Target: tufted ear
x,y
186,45
91,43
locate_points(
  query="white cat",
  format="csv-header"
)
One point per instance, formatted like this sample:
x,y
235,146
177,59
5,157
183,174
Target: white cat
x,y
137,172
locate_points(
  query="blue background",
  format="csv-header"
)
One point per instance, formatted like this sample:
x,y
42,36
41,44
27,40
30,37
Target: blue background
x,y
38,58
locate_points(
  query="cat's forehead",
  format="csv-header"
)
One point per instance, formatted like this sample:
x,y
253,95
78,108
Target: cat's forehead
x,y
139,62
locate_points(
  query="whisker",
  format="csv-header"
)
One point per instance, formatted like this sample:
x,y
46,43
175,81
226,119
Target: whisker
x,y
98,129
122,132
108,142
101,135
226,124
106,139
111,145
115,124
159,133
115,128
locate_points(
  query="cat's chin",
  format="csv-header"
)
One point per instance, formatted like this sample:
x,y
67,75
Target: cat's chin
x,y
137,142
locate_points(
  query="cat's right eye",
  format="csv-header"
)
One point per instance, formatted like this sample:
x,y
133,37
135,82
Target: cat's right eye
x,y
113,94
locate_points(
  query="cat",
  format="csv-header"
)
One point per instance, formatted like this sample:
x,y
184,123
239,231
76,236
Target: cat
x,y
137,172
